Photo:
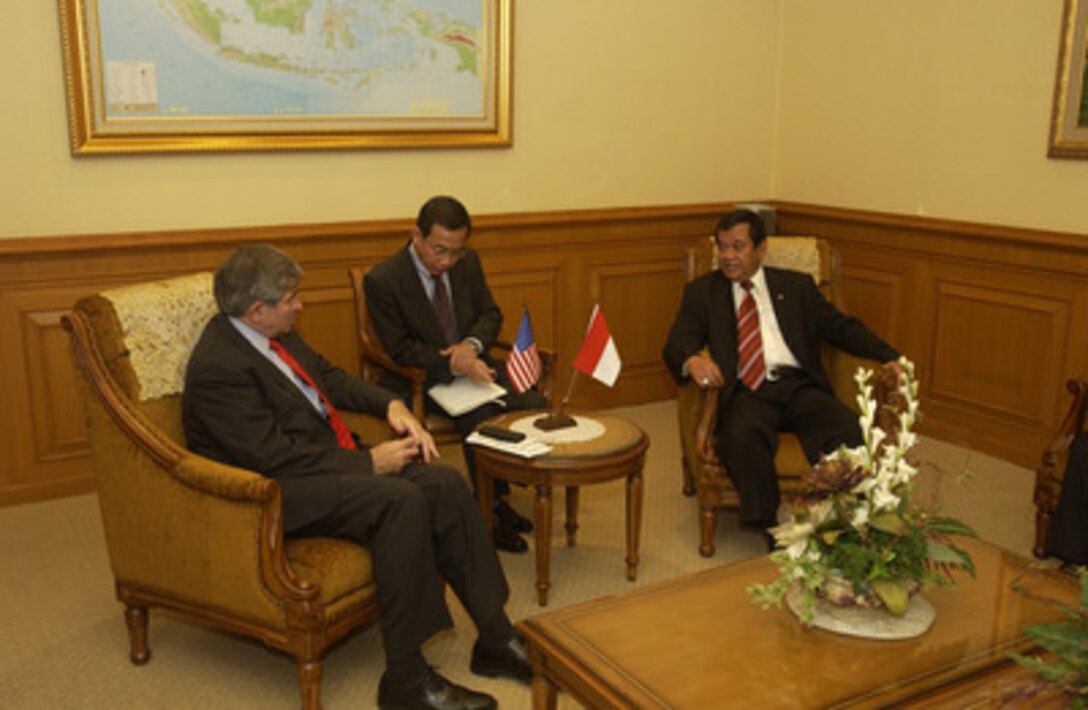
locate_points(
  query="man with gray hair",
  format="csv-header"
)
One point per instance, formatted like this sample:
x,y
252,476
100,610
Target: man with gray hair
x,y
258,397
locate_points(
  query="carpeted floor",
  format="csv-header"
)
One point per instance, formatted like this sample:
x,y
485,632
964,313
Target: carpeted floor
x,y
63,642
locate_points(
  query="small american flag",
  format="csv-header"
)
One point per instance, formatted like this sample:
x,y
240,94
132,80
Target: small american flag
x,y
523,365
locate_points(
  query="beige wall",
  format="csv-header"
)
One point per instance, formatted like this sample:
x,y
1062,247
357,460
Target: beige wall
x,y
925,107
613,107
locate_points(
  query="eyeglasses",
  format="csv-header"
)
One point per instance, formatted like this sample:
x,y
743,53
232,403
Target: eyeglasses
x,y
441,251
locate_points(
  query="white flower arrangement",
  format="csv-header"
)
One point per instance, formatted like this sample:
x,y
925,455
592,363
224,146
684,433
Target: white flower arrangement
x,y
853,537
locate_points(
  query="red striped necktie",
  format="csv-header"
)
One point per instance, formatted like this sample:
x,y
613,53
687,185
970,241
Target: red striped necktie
x,y
343,434
753,371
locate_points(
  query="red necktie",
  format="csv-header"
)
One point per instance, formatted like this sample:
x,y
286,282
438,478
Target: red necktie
x,y
752,369
343,434
443,310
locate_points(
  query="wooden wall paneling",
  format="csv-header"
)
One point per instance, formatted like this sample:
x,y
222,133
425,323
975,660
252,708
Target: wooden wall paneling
x,y
993,316
541,258
639,297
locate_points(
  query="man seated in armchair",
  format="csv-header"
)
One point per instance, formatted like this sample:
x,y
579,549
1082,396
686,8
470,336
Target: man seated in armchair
x,y
756,333
258,397
432,308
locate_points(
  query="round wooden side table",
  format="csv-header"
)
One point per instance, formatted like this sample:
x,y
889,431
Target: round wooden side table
x,y
618,452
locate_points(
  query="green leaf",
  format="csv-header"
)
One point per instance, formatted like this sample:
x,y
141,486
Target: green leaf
x,y
894,595
890,523
1063,639
943,553
830,536
950,526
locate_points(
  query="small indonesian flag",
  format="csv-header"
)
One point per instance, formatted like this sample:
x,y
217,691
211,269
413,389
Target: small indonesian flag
x,y
598,357
523,365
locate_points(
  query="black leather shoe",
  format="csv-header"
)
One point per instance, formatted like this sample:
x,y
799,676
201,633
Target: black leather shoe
x,y
432,691
507,539
509,662
506,515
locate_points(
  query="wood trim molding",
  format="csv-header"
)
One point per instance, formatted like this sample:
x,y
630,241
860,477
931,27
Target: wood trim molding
x,y
898,268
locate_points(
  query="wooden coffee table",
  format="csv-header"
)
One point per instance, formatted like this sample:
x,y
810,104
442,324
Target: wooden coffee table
x,y
618,453
698,642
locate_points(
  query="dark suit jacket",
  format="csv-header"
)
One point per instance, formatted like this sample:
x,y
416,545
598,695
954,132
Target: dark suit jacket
x,y
707,318
406,324
239,409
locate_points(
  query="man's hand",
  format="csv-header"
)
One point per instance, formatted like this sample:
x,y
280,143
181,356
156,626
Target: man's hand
x,y
408,427
391,456
897,368
465,361
703,371
461,356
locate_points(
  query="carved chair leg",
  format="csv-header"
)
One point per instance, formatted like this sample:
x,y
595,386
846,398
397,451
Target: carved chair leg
x,y
708,528
1042,533
309,683
136,621
689,479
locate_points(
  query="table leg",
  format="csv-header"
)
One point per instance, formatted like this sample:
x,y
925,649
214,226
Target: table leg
x,y
544,693
572,515
634,521
542,523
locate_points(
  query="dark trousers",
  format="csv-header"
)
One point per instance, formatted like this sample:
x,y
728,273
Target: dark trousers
x,y
421,526
1069,530
748,427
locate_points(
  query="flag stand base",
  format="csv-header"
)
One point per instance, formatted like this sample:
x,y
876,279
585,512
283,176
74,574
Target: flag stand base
x,y
555,420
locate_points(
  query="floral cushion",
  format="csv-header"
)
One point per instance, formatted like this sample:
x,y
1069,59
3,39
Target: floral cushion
x,y
160,323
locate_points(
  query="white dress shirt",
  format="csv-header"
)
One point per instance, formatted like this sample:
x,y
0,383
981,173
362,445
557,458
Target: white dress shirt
x,y
775,351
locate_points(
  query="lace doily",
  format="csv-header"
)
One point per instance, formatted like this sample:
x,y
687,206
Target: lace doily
x,y
160,322
584,430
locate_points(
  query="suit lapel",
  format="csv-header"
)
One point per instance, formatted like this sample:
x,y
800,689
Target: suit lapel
x,y
785,309
418,308
266,370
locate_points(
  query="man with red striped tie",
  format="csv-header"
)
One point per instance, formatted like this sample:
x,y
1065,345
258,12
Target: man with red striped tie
x,y
257,396
763,328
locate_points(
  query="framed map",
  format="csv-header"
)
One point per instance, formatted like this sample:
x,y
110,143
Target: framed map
x,y
226,75
1069,117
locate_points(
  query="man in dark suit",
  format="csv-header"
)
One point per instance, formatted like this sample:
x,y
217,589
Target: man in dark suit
x,y
258,397
763,328
431,308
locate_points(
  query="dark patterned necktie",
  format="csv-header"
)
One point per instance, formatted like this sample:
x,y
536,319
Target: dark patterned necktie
x,y
343,434
753,371
444,310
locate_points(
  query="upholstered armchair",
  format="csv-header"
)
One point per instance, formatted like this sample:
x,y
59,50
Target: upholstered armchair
x,y
373,362
697,408
185,533
1048,477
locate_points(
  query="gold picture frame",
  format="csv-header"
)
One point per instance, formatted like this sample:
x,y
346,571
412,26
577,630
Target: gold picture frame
x,y
181,76
1069,119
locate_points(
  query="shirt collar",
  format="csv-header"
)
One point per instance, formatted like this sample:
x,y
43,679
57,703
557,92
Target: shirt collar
x,y
255,338
759,283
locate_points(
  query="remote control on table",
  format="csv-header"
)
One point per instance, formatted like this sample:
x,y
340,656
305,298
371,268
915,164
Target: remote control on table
x,y
497,432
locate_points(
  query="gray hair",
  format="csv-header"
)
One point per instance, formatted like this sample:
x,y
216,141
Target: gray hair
x,y
257,272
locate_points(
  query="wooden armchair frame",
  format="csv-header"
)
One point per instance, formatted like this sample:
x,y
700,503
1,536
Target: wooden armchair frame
x,y
1051,471
373,361
203,539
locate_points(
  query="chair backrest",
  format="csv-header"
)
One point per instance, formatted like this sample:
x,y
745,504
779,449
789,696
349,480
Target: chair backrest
x,y
367,338
145,334
810,255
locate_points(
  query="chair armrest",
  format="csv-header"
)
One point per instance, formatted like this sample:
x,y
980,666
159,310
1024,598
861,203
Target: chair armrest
x,y
706,423
1048,477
